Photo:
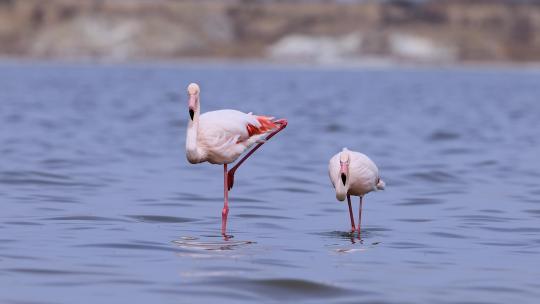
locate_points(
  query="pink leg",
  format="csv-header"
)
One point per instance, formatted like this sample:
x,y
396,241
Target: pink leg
x,y
353,229
360,217
225,210
282,124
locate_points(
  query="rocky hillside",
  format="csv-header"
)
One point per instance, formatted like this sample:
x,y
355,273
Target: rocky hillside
x,y
325,31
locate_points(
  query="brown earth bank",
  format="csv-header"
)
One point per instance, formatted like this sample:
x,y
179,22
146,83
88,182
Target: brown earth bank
x,y
319,31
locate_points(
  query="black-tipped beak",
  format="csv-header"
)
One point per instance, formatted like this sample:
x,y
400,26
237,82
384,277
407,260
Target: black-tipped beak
x,y
343,178
191,114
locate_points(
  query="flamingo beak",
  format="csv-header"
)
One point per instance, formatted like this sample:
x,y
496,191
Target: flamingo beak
x,y
344,169
192,105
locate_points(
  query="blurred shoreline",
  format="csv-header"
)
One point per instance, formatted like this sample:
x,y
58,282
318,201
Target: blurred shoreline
x,y
324,33
266,64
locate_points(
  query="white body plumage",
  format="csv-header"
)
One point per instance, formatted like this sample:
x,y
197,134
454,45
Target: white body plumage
x,y
353,173
220,137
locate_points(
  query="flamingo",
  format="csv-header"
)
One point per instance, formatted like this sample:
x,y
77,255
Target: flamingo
x,y
220,137
353,173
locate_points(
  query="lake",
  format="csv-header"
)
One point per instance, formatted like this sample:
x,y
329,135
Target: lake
x,y
99,204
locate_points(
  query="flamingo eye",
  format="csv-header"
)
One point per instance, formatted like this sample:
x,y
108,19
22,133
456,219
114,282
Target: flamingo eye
x,y
343,178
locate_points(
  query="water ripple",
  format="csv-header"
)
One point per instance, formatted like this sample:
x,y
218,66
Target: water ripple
x,y
420,201
435,176
161,219
289,288
130,246
55,272
441,135
449,235
89,218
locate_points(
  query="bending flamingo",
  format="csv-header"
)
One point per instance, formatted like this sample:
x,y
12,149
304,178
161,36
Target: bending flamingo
x,y
353,173
220,137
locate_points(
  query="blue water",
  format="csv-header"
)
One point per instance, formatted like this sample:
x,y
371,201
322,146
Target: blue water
x,y
99,204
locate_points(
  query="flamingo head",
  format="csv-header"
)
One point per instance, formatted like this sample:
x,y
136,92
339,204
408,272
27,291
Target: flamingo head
x,y
342,186
193,104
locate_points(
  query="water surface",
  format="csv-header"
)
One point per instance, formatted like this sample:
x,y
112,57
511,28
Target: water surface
x,y
99,204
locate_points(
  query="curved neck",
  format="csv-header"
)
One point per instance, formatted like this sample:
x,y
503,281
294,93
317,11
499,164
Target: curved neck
x,y
341,190
193,152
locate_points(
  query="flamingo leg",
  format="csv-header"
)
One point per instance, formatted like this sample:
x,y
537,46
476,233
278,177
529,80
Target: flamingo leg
x,y
353,229
225,210
282,124
360,216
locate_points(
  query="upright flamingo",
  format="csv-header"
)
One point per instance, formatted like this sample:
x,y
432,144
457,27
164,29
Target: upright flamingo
x,y
353,173
220,137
